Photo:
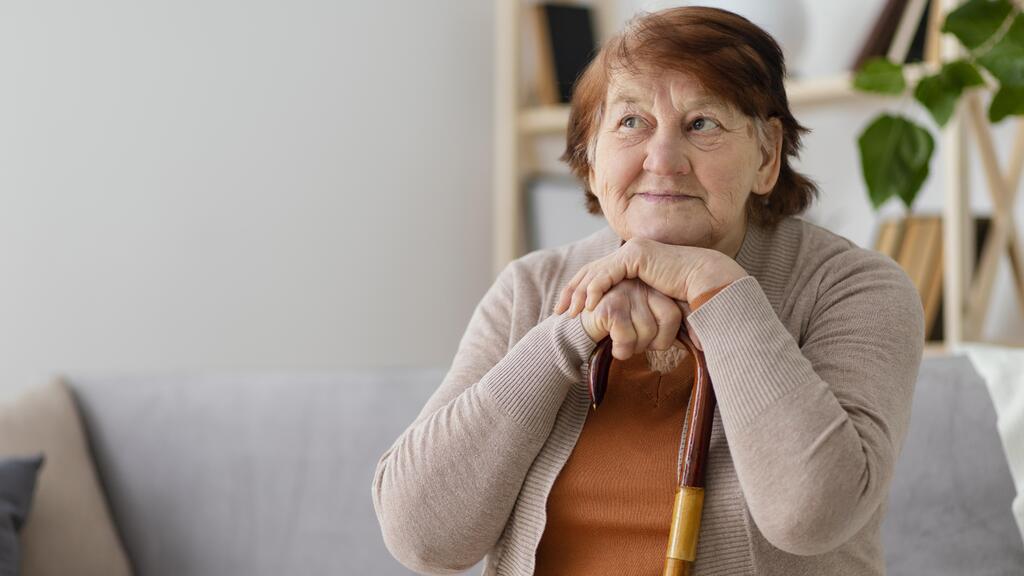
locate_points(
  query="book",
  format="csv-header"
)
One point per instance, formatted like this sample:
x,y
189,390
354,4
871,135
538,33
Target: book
x,y
912,253
918,244
908,41
931,275
900,33
920,256
881,34
565,46
889,237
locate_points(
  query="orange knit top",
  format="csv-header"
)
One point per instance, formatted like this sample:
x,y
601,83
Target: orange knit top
x,y
610,508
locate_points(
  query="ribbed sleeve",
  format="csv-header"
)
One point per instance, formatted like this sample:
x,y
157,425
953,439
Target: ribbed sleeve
x,y
753,358
444,491
531,382
814,429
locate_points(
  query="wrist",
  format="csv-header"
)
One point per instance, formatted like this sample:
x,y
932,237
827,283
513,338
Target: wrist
x,y
719,275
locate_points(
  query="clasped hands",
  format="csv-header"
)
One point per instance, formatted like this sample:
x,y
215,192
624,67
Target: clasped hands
x,y
640,294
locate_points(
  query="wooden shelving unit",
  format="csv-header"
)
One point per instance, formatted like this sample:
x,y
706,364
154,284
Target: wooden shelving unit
x,y
964,304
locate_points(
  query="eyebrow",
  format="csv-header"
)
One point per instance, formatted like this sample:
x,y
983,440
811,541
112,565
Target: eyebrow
x,y
702,102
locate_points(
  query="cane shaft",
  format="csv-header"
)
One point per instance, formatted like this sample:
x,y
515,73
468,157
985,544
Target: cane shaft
x,y
689,502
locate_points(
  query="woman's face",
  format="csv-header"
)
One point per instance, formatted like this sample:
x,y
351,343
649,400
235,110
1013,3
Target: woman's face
x,y
675,164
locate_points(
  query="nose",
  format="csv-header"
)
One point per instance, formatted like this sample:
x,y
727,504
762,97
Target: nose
x,y
666,154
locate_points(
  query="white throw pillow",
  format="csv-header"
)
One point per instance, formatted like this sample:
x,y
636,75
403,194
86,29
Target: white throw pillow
x,y
1002,368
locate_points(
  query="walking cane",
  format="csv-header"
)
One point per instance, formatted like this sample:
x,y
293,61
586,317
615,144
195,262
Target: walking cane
x,y
689,502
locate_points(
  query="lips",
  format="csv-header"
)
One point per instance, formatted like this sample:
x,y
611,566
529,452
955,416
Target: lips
x,y
664,194
653,197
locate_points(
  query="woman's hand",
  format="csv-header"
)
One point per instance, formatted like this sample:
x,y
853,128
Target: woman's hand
x,y
679,272
637,318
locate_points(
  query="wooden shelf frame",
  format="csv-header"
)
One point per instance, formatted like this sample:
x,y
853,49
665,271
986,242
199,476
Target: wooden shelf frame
x,y
964,304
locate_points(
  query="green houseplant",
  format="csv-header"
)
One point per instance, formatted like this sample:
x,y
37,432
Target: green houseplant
x,y
894,150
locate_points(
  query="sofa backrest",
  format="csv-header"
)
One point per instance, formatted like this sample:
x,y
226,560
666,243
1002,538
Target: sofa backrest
x,y
950,500
271,474
249,475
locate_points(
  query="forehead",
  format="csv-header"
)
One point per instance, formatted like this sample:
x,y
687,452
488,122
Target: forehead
x,y
681,89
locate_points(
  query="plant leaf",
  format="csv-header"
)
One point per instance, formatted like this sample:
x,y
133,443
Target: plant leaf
x,y
880,75
894,157
961,73
1008,101
1006,59
939,92
936,98
976,21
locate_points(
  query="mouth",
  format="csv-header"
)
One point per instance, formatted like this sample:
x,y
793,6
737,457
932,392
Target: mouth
x,y
662,197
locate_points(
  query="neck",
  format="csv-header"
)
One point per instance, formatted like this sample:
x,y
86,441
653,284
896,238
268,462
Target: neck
x,y
730,246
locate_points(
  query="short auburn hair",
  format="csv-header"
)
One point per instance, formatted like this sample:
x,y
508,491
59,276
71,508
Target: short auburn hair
x,y
731,57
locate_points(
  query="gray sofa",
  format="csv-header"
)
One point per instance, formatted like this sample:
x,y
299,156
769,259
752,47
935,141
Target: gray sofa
x,y
271,474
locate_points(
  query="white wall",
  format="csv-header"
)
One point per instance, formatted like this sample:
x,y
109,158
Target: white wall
x,y
297,185
261,185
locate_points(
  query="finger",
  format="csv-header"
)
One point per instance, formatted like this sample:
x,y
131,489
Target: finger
x,y
579,295
601,283
611,272
668,316
622,333
564,298
563,301
644,322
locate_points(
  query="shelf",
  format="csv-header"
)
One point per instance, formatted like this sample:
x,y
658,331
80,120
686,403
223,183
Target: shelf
x,y
540,120
517,123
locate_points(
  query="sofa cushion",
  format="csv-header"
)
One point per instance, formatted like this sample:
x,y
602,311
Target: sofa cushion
x,y
950,503
69,530
17,484
260,475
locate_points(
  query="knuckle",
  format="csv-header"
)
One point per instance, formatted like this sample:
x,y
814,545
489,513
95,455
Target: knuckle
x,y
618,314
617,299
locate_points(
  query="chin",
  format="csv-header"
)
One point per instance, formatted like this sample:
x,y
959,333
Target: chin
x,y
676,235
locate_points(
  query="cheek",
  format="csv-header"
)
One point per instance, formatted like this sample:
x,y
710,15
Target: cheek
x,y
615,169
728,178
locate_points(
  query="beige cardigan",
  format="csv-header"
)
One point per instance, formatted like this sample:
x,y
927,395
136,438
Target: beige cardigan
x,y
813,358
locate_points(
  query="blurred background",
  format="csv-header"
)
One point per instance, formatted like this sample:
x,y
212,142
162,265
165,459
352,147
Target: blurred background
x,y
305,186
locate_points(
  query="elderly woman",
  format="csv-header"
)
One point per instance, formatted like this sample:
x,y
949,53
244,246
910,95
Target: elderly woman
x,y
682,136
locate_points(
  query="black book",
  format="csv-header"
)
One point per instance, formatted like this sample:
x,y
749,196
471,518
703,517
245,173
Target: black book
x,y
569,33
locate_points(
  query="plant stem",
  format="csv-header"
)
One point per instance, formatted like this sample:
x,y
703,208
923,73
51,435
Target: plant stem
x,y
1000,32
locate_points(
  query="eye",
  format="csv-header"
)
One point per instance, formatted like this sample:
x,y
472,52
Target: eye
x,y
704,124
631,122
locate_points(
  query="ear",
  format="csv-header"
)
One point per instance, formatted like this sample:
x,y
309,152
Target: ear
x,y
771,159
